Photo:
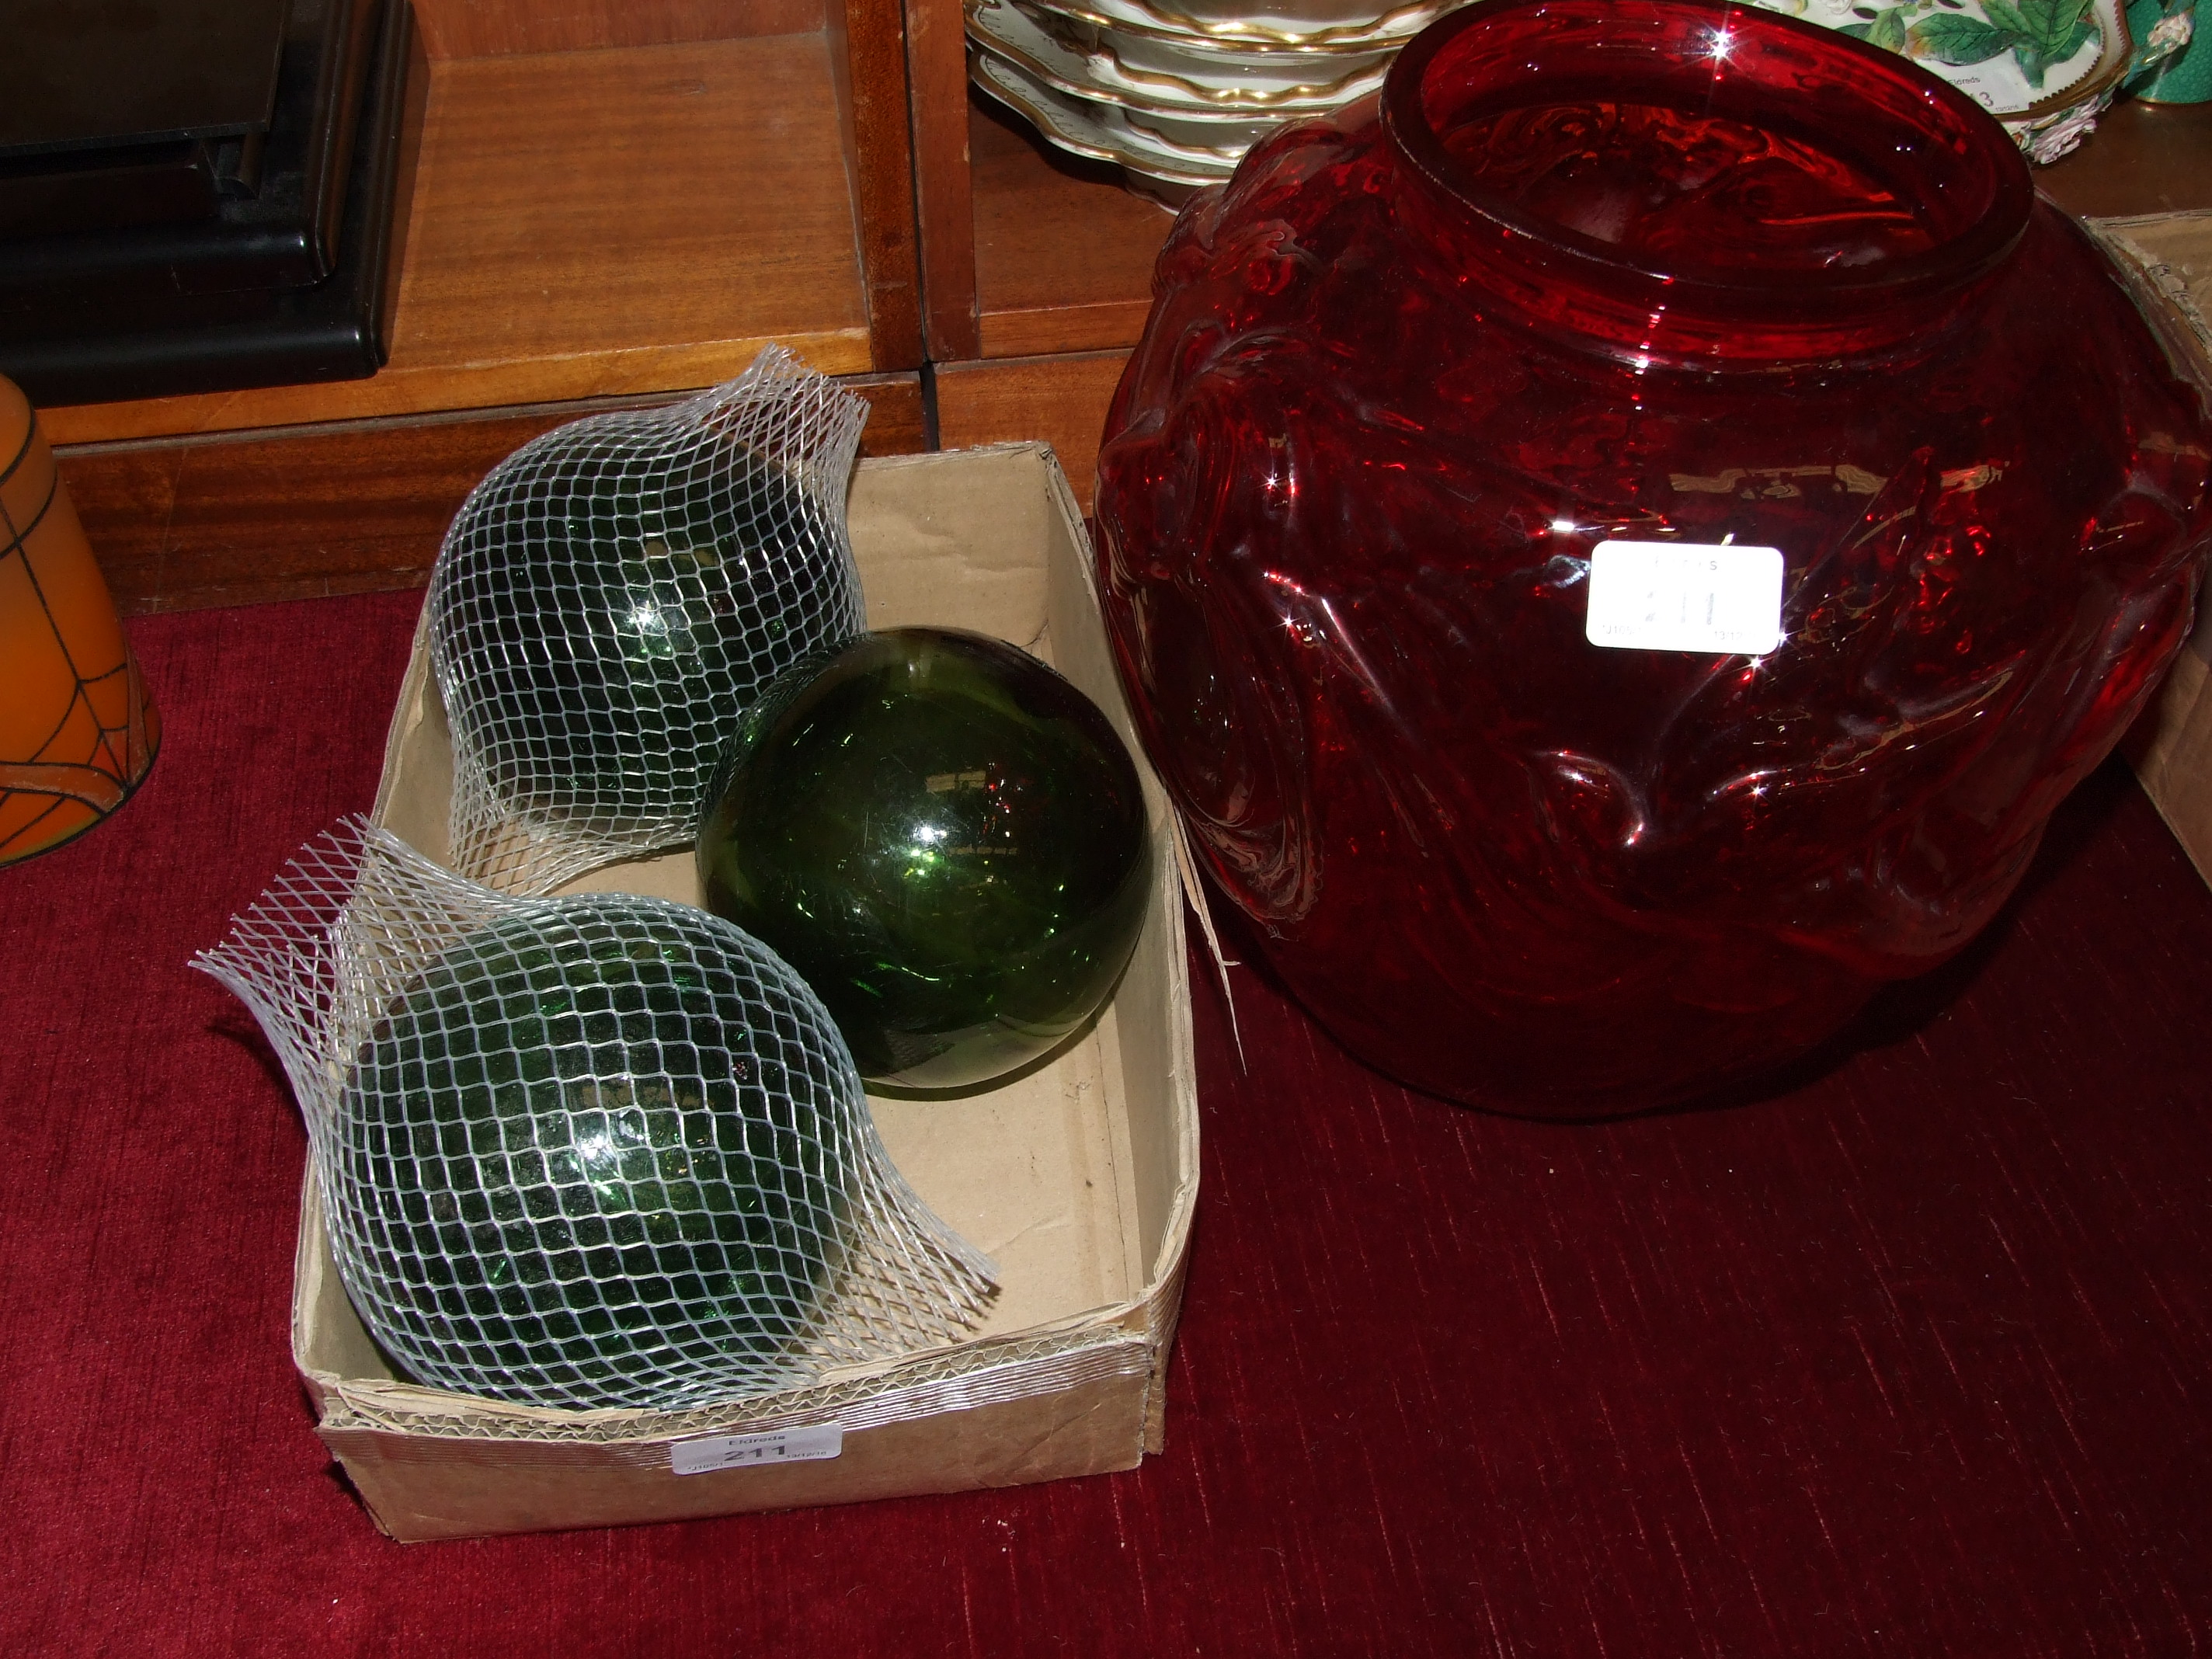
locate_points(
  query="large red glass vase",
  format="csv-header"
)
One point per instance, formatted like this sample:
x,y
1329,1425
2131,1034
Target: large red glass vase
x,y
1663,272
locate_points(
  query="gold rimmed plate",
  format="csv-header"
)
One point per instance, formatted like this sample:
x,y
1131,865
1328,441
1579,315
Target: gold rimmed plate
x,y
1143,72
1334,26
1167,174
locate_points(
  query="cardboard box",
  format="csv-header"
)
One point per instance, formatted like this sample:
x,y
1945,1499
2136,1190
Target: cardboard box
x,y
2171,745
1078,1179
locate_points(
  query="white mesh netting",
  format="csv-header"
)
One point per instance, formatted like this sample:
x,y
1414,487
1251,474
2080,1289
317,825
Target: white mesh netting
x,y
609,602
592,1151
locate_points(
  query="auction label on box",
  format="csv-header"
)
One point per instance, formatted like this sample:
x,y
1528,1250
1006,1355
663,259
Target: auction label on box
x,y
810,1445
1672,596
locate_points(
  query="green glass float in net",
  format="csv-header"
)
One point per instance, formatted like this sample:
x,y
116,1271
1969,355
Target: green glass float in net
x,y
594,1152
612,598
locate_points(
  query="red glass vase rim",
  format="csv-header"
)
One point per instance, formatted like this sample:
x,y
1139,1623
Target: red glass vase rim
x,y
1988,236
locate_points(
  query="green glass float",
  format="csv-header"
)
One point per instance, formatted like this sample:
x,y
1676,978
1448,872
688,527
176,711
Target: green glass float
x,y
609,599
946,840
597,1155
585,653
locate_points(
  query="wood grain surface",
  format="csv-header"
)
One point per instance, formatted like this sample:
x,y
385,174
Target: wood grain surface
x,y
595,223
867,58
179,524
2142,158
1061,399
1063,254
481,28
944,183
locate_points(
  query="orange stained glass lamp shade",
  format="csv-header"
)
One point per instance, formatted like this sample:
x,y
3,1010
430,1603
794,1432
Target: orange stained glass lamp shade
x,y
77,732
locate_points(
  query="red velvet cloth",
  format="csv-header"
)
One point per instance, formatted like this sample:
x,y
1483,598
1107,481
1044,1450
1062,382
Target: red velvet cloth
x,y
1909,1358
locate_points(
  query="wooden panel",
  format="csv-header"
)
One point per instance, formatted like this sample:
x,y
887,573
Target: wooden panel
x,y
1063,254
944,198
1060,399
867,55
482,29
348,507
2142,158
594,224
603,203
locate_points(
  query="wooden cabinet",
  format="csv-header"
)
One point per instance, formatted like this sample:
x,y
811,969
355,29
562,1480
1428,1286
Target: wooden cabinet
x,y
617,201
613,200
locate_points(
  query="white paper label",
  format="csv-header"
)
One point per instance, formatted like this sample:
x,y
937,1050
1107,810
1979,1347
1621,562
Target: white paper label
x,y
739,1451
1671,596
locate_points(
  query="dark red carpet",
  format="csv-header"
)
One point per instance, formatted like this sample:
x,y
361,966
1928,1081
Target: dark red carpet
x,y
1914,1359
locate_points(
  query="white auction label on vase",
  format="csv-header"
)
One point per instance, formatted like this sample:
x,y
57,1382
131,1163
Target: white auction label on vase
x,y
810,1445
1674,596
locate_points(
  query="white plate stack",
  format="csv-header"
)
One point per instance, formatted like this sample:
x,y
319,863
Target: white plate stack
x,y
1176,91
